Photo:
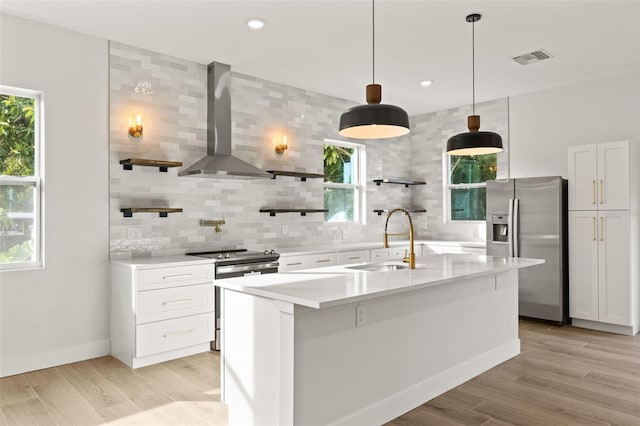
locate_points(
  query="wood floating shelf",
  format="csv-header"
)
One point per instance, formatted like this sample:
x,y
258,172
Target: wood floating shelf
x,y
162,165
415,210
303,212
398,181
162,211
303,176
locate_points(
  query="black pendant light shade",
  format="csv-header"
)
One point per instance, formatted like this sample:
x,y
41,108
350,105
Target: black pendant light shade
x,y
374,120
474,142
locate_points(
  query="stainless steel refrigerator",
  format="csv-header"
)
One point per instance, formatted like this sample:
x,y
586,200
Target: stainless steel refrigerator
x,y
528,218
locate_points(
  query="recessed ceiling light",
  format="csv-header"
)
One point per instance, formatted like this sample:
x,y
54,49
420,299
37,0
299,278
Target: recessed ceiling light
x,y
426,83
255,23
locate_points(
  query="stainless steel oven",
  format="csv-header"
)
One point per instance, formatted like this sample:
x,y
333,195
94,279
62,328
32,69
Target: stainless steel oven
x,y
237,263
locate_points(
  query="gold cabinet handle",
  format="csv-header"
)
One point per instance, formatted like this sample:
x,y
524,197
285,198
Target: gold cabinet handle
x,y
294,264
175,277
354,257
593,192
177,333
601,228
323,260
601,192
176,302
593,230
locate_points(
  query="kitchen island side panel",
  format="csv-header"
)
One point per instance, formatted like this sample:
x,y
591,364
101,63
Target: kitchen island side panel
x,y
412,347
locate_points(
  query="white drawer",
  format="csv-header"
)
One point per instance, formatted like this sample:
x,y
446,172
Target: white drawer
x,y
353,256
162,336
149,279
380,253
166,303
307,261
399,252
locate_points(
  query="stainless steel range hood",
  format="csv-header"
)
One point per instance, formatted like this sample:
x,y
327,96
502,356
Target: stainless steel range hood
x,y
219,163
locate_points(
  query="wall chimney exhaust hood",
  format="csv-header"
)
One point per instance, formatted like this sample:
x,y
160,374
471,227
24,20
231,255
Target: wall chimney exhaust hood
x,y
219,163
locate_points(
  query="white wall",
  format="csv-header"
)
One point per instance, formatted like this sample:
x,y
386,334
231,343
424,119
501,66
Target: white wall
x,y
59,314
543,124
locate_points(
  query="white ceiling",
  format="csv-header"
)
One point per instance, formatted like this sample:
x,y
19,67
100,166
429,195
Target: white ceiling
x,y
325,46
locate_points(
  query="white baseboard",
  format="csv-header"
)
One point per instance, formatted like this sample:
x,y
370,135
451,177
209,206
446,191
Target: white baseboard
x,y
398,404
603,326
39,360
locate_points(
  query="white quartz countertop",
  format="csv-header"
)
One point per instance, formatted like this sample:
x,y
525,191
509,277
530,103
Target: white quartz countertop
x,y
160,262
335,285
342,246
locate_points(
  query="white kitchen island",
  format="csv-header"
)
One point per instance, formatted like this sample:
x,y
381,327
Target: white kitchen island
x,y
343,346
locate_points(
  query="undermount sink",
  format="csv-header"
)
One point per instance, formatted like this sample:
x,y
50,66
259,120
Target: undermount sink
x,y
378,267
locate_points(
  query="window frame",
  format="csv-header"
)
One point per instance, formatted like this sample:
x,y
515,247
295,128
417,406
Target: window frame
x,y
359,187
35,181
448,186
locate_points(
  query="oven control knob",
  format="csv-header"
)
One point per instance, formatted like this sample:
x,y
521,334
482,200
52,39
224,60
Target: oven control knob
x,y
266,252
227,255
220,256
272,252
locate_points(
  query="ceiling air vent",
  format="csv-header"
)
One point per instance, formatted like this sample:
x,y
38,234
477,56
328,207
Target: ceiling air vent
x,y
532,57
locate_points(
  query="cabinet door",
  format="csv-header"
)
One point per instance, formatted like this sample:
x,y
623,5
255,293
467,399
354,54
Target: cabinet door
x,y
614,266
613,176
583,265
380,253
352,256
583,177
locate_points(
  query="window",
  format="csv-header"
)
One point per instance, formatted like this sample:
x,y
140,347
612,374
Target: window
x,y
20,182
466,185
344,166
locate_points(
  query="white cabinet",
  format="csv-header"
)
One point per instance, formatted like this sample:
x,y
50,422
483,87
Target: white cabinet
x,y
599,176
583,265
600,267
616,296
380,254
604,284
306,261
352,256
393,252
161,312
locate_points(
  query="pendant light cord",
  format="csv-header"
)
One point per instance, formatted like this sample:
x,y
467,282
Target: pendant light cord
x,y
373,37
473,66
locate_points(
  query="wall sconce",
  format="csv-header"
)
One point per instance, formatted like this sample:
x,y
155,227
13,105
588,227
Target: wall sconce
x,y
135,131
281,147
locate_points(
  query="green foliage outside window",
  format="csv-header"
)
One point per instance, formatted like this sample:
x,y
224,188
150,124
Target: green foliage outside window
x,y
17,159
339,168
17,128
470,203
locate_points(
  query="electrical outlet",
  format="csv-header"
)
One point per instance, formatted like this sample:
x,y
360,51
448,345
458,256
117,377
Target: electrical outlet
x,y
361,315
134,233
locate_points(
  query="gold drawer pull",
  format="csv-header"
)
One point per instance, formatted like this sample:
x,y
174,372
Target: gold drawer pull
x,y
177,333
175,277
601,192
176,302
601,228
294,264
593,231
354,257
323,260
593,192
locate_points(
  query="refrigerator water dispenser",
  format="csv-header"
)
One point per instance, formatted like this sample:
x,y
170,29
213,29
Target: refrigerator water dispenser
x,y
500,227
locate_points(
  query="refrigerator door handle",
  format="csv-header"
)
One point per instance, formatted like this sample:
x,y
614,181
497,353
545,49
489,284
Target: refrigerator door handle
x,y
516,227
510,229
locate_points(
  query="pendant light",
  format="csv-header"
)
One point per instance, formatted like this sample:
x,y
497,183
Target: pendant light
x,y
374,120
474,142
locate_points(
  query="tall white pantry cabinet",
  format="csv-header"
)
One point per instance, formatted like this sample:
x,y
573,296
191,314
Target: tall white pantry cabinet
x,y
604,236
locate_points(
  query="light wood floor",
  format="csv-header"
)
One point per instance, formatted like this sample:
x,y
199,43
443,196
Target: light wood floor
x,y
564,376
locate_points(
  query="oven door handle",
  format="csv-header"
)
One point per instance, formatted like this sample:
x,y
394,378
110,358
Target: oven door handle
x,y
245,267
